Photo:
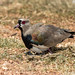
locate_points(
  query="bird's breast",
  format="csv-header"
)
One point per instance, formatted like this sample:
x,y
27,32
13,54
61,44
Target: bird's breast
x,y
27,42
39,48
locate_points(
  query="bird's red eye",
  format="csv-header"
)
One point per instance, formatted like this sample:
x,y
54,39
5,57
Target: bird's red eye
x,y
23,22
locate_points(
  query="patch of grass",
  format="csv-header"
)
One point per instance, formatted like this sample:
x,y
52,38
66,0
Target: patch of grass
x,y
11,43
19,56
60,7
4,55
7,45
16,57
59,13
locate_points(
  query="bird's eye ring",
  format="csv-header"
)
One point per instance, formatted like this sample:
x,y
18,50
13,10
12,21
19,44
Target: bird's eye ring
x,y
23,22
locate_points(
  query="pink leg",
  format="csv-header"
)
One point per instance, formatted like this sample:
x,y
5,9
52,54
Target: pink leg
x,y
50,50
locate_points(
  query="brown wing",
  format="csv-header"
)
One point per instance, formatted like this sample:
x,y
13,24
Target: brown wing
x,y
49,35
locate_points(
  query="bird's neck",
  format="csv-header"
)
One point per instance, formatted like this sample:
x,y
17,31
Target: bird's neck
x,y
24,29
25,40
21,30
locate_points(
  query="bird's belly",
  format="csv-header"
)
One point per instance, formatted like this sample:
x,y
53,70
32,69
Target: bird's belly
x,y
39,48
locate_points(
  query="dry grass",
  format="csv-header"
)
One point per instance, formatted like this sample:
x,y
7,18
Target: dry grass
x,y
13,61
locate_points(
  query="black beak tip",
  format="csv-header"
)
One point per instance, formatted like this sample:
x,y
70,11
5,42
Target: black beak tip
x,y
14,27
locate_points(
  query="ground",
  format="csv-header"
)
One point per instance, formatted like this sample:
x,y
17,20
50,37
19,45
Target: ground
x,y
13,60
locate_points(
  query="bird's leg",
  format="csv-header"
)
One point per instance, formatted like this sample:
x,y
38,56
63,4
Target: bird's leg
x,y
50,50
28,53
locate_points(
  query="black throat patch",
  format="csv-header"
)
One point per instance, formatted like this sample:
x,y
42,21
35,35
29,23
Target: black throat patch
x,y
27,41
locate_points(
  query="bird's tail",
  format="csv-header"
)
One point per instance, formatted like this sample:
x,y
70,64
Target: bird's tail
x,y
72,34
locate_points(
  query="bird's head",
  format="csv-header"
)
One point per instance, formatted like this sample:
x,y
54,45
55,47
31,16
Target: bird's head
x,y
22,23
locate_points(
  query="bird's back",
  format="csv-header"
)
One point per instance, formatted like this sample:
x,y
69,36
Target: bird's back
x,y
47,35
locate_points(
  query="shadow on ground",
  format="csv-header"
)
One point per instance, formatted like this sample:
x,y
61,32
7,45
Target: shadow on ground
x,y
53,50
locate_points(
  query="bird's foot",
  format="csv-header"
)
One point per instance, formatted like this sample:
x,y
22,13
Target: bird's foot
x,y
50,50
28,53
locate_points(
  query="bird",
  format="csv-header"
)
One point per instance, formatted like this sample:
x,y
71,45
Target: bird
x,y
39,38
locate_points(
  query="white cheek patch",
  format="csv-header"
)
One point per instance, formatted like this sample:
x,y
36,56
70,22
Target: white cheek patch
x,y
21,25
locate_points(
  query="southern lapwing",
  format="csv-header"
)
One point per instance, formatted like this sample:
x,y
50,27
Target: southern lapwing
x,y
39,38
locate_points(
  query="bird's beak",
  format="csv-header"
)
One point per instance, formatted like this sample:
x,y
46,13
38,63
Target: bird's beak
x,y
16,26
